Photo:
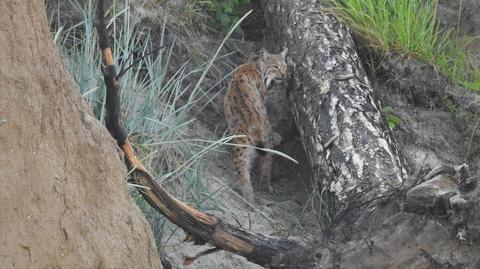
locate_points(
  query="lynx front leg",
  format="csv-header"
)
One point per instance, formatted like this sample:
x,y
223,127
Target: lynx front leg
x,y
276,139
242,162
267,158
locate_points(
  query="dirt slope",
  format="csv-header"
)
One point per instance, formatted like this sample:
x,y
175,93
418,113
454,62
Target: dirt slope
x,y
63,199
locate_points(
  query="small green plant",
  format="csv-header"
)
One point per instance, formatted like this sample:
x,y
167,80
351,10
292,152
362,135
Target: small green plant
x,y
224,12
392,119
410,27
321,207
318,204
473,145
294,224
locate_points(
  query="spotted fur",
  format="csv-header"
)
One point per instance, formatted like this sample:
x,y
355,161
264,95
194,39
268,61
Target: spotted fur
x,y
246,114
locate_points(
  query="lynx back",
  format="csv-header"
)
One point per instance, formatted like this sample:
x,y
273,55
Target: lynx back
x,y
246,115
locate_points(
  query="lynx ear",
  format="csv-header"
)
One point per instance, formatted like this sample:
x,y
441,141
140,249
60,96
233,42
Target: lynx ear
x,y
264,53
284,52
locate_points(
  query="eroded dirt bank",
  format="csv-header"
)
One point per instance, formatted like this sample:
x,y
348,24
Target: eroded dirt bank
x,y
64,200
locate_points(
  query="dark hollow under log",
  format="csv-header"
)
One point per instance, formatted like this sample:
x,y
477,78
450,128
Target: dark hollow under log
x,y
348,142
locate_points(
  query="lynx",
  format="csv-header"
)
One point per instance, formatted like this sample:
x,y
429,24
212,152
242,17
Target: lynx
x,y
246,115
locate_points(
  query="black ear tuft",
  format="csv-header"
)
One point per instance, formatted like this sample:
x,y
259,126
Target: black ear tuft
x,y
284,52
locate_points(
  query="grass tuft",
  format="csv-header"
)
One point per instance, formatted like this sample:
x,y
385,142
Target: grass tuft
x,y
410,27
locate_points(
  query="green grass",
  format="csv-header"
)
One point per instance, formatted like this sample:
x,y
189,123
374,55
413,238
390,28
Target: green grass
x,y
410,27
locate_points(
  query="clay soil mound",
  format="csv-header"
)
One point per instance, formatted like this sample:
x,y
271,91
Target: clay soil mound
x,y
63,195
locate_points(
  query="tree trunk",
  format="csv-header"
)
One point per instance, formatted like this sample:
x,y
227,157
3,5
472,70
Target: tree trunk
x,y
348,142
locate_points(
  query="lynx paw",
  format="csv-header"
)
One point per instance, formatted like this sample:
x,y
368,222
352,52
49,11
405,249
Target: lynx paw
x,y
265,183
270,188
247,193
277,139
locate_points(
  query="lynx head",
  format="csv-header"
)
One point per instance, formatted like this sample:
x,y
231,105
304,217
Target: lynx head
x,y
272,66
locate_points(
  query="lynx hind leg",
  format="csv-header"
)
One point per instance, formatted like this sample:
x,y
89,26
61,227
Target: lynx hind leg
x,y
242,162
266,166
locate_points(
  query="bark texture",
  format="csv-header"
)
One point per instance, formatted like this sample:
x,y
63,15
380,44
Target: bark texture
x,y
348,142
